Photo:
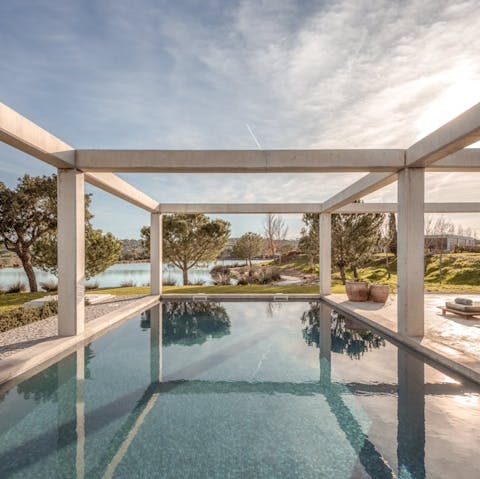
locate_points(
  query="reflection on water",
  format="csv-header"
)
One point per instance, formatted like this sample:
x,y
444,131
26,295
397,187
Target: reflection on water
x,y
191,322
347,335
157,427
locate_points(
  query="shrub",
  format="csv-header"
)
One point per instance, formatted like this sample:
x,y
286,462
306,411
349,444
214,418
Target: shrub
x,y
49,286
221,274
127,284
17,287
93,285
197,282
20,316
169,281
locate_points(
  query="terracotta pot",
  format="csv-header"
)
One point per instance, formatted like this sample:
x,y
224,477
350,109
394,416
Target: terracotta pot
x,y
357,290
379,293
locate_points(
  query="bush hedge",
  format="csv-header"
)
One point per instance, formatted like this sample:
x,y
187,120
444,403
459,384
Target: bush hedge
x,y
20,316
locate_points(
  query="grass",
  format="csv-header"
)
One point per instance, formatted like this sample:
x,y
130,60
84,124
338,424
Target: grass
x,y
461,274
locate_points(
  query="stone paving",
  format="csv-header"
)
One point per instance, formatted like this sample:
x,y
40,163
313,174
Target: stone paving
x,y
457,338
17,339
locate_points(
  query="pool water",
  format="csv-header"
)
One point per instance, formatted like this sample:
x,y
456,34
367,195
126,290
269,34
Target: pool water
x,y
240,390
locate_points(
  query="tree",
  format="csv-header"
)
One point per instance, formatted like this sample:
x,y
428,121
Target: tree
x,y
189,239
354,238
309,241
275,229
26,214
389,239
101,251
248,246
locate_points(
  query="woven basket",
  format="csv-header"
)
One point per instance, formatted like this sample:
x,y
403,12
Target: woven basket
x,y
379,293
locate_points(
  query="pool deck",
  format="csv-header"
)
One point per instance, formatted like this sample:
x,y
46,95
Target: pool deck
x,y
450,340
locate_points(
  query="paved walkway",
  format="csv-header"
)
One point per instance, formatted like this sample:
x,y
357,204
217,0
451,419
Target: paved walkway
x,y
456,338
16,340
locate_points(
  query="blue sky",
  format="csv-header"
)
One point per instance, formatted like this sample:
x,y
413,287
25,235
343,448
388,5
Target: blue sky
x,y
185,74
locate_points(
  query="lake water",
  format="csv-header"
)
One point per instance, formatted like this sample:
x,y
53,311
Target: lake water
x,y
137,273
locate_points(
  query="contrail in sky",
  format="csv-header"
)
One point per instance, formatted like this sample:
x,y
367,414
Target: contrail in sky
x,y
253,136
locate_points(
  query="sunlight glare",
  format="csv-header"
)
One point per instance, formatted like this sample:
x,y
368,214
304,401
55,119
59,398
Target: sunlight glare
x,y
462,94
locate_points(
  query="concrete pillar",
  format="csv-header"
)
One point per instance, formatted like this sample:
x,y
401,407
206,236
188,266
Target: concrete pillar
x,y
156,343
71,252
325,252
410,251
411,416
156,253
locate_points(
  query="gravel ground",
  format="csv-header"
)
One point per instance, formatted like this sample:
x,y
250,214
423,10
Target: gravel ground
x,y
15,340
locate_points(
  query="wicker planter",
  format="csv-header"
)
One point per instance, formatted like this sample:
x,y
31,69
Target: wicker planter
x,y
379,293
357,290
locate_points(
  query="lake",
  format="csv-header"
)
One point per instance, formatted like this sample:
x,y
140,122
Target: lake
x,y
137,273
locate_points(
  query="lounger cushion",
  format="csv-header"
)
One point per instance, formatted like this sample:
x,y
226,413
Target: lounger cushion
x,y
464,301
475,308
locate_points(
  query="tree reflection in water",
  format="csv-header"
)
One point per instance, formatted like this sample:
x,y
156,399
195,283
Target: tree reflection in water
x,y
191,322
348,336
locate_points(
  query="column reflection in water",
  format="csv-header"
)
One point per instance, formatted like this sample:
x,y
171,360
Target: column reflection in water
x,y
411,416
71,415
156,338
325,344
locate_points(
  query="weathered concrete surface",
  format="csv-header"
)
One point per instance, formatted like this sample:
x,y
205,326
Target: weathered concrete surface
x,y
116,186
368,184
240,161
410,254
452,341
325,253
24,135
156,248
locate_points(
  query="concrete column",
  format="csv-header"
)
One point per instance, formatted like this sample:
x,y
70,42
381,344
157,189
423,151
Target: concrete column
x,y
156,346
156,253
325,252
410,250
71,252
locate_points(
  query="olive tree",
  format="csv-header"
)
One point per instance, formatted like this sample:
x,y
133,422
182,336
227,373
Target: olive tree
x,y
27,213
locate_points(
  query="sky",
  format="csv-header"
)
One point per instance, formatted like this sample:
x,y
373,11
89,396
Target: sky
x,y
191,74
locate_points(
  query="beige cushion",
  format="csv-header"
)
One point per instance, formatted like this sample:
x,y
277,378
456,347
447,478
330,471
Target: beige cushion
x,y
475,308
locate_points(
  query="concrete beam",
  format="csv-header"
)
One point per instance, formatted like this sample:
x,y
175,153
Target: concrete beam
x,y
156,253
353,208
240,208
325,252
240,161
368,184
451,137
71,252
410,260
26,136
116,186
466,160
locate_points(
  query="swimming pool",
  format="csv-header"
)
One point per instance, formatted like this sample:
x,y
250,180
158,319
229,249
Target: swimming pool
x,y
240,390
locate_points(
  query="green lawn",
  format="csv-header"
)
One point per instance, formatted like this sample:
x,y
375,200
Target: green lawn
x,y
461,274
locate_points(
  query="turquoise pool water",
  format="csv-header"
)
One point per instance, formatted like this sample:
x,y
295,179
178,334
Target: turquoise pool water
x,y
240,390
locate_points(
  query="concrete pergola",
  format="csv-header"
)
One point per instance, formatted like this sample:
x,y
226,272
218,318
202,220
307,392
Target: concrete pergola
x,y
441,151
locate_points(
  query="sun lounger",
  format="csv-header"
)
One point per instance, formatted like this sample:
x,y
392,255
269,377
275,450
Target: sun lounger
x,y
464,311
